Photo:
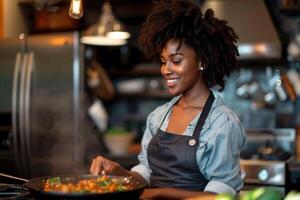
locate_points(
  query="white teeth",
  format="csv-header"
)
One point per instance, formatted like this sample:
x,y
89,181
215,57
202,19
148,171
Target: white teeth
x,y
172,80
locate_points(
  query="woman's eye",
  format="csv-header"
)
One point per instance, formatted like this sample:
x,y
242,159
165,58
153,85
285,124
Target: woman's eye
x,y
162,62
177,61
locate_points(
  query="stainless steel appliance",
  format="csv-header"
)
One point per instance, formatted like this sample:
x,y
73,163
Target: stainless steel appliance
x,y
265,157
41,89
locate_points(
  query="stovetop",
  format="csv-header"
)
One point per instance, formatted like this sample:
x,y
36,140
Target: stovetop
x,y
276,156
272,144
14,191
265,156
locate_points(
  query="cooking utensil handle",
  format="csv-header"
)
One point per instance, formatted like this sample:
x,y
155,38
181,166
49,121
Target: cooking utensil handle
x,y
13,177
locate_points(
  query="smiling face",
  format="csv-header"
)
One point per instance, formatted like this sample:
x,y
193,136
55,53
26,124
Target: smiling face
x,y
180,68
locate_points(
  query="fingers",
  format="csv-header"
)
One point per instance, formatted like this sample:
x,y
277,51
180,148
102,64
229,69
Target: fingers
x,y
103,166
93,169
97,165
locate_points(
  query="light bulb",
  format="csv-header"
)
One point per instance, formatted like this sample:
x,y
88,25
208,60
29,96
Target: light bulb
x,y
76,10
122,35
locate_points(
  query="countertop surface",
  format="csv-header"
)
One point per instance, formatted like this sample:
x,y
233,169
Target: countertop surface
x,y
147,194
171,193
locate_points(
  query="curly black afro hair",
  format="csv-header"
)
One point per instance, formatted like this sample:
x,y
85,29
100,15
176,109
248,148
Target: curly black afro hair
x,y
212,39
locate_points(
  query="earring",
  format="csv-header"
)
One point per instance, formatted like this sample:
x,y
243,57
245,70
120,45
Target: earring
x,y
200,67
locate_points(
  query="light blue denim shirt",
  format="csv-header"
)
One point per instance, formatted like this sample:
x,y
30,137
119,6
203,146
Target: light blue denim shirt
x,y
220,143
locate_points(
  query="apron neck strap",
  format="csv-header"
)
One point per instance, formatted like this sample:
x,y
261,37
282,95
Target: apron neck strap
x,y
203,116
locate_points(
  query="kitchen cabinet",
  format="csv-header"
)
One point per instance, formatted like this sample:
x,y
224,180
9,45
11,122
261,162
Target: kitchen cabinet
x,y
11,19
54,17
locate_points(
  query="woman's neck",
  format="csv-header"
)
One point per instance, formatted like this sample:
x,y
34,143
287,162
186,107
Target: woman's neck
x,y
195,98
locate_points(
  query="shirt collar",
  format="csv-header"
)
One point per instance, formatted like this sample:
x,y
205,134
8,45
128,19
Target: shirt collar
x,y
217,102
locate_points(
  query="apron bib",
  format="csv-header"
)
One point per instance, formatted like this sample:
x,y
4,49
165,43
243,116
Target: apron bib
x,y
172,158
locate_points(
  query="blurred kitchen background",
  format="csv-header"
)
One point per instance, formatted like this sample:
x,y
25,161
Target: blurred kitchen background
x,y
61,94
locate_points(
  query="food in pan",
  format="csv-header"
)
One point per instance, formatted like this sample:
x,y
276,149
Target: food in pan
x,y
103,184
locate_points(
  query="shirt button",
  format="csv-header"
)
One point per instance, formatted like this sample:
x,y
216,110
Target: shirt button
x,y
192,142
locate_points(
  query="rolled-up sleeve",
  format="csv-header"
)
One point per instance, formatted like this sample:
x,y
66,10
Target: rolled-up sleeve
x,y
219,188
222,157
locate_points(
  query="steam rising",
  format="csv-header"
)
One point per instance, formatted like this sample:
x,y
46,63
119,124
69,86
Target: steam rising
x,y
55,148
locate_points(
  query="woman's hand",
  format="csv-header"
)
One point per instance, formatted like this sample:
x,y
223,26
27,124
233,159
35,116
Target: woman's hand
x,y
101,165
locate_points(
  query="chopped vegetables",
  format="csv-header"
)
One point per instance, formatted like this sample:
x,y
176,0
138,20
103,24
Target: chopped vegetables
x,y
103,184
55,180
292,195
262,193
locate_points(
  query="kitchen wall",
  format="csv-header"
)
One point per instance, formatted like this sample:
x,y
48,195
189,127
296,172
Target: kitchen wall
x,y
1,19
12,22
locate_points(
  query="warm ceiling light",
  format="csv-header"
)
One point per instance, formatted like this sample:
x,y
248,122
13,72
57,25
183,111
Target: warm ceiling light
x,y
107,31
76,10
101,41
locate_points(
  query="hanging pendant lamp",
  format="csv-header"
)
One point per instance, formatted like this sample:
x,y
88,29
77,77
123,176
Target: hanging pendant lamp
x,y
108,31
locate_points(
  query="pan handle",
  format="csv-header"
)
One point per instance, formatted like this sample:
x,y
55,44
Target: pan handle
x,y
14,177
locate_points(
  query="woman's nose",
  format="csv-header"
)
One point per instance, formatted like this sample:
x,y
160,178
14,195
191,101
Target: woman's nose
x,y
165,69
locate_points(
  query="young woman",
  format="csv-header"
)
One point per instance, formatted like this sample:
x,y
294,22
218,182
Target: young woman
x,y
193,142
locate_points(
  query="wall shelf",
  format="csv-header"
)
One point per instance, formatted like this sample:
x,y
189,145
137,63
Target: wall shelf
x,y
292,10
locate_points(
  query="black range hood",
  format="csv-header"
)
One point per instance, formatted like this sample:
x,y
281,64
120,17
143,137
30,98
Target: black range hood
x,y
258,38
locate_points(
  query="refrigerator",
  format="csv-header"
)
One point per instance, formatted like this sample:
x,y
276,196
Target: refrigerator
x,y
41,85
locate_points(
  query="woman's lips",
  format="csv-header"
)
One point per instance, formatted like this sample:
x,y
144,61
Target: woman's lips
x,y
172,82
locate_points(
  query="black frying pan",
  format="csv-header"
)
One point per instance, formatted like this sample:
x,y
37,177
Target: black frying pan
x,y
36,187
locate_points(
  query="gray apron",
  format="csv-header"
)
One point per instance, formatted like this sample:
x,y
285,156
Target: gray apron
x,y
172,158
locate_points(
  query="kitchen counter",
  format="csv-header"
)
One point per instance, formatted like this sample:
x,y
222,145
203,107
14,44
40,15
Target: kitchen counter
x,y
147,194
169,193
